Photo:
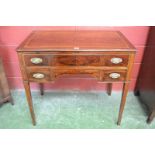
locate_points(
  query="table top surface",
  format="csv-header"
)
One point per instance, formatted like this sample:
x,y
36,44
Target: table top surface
x,y
95,40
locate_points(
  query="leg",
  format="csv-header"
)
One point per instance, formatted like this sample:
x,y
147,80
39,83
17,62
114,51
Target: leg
x,y
123,100
109,88
41,88
151,117
29,99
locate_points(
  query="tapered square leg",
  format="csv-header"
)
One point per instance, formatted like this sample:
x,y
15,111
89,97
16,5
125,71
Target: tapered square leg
x,y
41,85
29,99
109,88
123,101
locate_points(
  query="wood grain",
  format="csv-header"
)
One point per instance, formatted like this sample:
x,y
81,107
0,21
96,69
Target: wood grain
x,y
75,40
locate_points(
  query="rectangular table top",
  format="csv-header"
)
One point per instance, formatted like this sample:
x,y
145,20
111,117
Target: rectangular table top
x,y
95,40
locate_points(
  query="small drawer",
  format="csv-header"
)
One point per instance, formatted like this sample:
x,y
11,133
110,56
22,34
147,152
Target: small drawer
x,y
114,75
88,60
116,60
39,74
64,60
61,72
37,60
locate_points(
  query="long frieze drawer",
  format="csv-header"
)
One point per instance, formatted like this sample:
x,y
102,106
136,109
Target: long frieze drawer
x,y
61,72
39,74
114,75
37,60
116,60
78,60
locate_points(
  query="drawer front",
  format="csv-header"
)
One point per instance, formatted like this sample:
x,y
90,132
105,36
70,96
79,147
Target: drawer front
x,y
64,60
37,60
78,60
39,74
92,73
46,74
116,60
114,75
88,60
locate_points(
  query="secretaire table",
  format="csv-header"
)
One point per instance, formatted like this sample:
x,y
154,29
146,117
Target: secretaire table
x,y
45,56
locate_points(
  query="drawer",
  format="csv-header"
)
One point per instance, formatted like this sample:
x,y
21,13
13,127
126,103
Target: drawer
x,y
64,60
78,60
90,72
116,60
88,60
37,60
114,75
39,74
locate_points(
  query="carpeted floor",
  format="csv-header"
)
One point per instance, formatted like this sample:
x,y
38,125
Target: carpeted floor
x,y
73,109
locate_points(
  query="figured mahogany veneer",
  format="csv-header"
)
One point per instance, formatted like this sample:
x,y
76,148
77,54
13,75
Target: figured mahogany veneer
x,y
47,55
76,60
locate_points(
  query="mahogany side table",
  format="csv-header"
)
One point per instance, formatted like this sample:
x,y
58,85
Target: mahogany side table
x,y
45,56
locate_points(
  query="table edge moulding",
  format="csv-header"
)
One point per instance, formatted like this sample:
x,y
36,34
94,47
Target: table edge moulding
x,y
45,56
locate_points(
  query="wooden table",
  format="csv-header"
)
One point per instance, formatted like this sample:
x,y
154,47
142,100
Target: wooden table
x,y
47,55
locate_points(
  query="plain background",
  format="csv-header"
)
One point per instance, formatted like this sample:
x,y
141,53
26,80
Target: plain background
x,y
77,13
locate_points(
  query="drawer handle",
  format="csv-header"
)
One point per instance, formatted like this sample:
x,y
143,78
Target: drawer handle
x,y
114,75
116,60
38,75
36,60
